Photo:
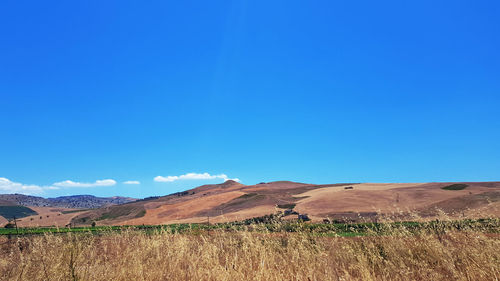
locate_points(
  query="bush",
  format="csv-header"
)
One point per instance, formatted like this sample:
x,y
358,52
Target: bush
x,y
10,225
457,186
286,206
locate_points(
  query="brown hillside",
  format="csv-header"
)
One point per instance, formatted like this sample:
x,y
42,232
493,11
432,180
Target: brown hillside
x,y
232,201
49,216
3,221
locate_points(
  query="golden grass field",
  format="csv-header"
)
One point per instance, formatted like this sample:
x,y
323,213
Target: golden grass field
x,y
398,254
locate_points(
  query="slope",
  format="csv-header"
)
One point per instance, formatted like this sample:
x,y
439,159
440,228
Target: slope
x,y
231,201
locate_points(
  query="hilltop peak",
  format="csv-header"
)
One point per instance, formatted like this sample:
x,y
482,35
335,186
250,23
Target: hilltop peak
x,y
230,183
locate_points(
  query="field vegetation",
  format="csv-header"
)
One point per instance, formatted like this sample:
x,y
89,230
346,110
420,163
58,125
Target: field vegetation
x,y
286,206
437,250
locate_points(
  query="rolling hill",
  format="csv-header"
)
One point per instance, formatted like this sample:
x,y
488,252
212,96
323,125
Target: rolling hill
x,y
39,211
232,201
10,212
74,201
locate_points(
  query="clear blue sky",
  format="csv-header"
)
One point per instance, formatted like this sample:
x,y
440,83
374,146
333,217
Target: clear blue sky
x,y
310,91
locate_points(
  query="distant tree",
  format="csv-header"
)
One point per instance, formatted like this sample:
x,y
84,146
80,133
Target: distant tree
x,y
93,224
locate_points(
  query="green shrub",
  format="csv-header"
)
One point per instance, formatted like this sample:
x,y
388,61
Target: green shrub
x,y
10,225
286,206
456,186
248,195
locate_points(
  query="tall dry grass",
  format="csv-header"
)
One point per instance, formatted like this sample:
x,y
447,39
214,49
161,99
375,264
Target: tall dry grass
x,y
243,255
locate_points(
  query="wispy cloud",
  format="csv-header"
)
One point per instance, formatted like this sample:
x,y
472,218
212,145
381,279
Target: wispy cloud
x,y
68,183
132,182
8,186
193,176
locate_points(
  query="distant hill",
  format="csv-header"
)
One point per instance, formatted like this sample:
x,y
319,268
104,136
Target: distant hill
x,y
88,201
232,201
11,212
75,201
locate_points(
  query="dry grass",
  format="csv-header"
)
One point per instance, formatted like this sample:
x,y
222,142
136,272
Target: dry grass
x,y
244,255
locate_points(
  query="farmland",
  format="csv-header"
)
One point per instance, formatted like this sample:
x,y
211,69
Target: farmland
x,y
269,231
329,229
438,250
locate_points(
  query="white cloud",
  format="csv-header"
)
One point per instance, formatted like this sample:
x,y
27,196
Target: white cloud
x,y
7,186
132,182
68,183
193,176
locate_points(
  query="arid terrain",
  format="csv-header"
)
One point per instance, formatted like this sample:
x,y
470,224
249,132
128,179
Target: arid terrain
x,y
49,216
423,231
232,201
34,211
